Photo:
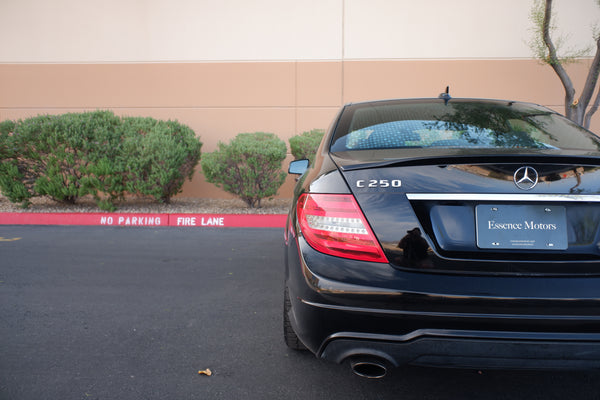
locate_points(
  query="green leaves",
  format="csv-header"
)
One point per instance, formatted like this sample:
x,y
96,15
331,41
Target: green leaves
x,y
161,155
305,146
248,167
95,153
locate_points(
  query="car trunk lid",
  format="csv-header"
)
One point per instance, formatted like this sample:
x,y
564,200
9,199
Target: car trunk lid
x,y
529,213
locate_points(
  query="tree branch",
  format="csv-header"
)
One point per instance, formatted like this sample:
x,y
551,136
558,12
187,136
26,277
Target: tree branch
x,y
553,59
588,117
592,78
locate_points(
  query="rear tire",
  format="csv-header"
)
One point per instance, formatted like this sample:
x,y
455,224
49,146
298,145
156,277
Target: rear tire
x,y
290,337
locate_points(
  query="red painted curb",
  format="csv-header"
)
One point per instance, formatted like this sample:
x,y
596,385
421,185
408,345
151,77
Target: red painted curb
x,y
118,219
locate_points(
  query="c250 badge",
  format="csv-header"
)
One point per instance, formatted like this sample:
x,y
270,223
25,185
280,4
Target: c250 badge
x,y
378,183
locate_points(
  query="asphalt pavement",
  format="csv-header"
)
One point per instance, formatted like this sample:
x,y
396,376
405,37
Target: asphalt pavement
x,y
135,312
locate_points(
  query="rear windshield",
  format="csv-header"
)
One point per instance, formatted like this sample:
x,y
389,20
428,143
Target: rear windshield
x,y
457,124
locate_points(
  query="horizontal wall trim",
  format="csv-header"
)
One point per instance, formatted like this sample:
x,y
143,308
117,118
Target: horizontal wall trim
x,y
301,60
307,60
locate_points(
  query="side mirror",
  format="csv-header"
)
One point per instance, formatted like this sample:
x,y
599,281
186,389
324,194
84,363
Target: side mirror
x,y
298,167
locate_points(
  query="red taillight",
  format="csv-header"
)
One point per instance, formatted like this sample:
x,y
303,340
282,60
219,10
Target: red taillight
x,y
334,224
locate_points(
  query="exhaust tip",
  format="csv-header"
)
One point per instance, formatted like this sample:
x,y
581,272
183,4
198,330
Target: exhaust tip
x,y
369,369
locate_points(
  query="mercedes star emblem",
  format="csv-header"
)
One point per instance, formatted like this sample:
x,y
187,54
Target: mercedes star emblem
x,y
525,178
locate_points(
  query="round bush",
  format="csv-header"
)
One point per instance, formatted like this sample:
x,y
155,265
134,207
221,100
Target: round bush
x,y
95,153
305,145
55,155
161,155
248,167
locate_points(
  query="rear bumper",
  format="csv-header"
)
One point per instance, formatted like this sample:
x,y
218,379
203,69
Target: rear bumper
x,y
470,349
343,309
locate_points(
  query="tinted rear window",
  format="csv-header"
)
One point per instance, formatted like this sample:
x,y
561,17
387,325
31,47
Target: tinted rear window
x,y
458,124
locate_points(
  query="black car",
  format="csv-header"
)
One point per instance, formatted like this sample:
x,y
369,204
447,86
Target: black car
x,y
447,232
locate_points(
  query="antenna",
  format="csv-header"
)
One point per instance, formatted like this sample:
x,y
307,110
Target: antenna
x,y
445,96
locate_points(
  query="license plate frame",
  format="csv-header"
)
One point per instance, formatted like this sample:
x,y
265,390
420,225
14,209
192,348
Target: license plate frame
x,y
521,227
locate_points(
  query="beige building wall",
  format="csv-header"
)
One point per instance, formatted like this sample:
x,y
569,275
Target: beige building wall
x,y
279,66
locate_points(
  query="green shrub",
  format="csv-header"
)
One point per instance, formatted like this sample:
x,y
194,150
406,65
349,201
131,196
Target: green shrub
x,y
12,183
160,156
60,154
248,167
15,181
22,162
305,146
6,151
7,127
94,153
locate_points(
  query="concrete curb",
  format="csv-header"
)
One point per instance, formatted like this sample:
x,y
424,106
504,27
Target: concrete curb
x,y
133,219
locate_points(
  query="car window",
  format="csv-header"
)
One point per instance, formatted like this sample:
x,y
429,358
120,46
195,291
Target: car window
x,y
458,125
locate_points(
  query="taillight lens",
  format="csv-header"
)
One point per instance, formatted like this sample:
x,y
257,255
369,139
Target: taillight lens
x,y
334,224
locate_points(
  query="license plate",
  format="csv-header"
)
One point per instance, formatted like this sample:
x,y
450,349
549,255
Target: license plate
x,y
534,227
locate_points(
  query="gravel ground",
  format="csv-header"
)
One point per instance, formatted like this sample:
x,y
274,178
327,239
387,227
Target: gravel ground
x,y
178,205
